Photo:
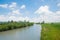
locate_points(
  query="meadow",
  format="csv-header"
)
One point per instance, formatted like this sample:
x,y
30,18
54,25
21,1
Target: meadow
x,y
50,31
4,26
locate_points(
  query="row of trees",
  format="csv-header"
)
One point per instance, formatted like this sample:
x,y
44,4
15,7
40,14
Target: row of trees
x,y
41,22
4,26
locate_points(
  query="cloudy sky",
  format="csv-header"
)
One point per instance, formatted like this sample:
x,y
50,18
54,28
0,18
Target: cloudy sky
x,y
30,10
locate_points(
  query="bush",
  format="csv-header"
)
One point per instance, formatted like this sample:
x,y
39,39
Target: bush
x,y
13,25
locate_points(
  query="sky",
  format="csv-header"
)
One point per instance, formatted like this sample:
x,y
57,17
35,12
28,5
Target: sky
x,y
30,10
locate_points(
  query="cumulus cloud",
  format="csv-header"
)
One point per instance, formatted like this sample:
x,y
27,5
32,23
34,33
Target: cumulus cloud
x,y
43,9
4,5
14,9
58,4
3,18
22,7
14,13
47,15
58,13
13,5
12,17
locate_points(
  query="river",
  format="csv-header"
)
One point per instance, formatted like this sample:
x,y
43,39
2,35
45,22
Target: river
x,y
27,33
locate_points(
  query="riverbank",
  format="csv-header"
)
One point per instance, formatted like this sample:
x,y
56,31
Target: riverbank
x,y
50,31
4,26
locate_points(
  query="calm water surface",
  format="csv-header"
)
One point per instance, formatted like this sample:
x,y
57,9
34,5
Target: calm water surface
x,y
27,33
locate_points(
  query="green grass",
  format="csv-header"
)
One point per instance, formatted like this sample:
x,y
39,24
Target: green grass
x,y
4,26
50,31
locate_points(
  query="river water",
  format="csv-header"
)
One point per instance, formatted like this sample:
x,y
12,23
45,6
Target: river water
x,y
27,33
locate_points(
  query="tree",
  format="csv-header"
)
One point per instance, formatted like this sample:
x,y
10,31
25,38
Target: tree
x,y
42,22
11,20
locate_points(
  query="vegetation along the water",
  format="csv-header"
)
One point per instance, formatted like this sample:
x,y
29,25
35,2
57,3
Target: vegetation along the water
x,y
50,31
4,26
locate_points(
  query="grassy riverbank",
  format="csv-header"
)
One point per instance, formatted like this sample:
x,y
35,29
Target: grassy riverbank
x,y
50,31
4,26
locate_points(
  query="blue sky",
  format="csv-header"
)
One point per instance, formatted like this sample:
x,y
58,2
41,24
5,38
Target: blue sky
x,y
30,10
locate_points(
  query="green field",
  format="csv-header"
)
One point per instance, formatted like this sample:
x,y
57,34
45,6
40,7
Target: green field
x,y
4,26
50,31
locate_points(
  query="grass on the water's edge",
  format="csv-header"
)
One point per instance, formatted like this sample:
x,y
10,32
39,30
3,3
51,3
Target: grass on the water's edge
x,y
50,31
4,26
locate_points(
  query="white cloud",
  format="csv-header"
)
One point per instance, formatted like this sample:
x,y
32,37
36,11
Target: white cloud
x,y
14,14
4,5
15,18
43,11
13,5
18,18
58,13
22,7
16,11
47,15
58,4
3,18
24,18
35,19
12,17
